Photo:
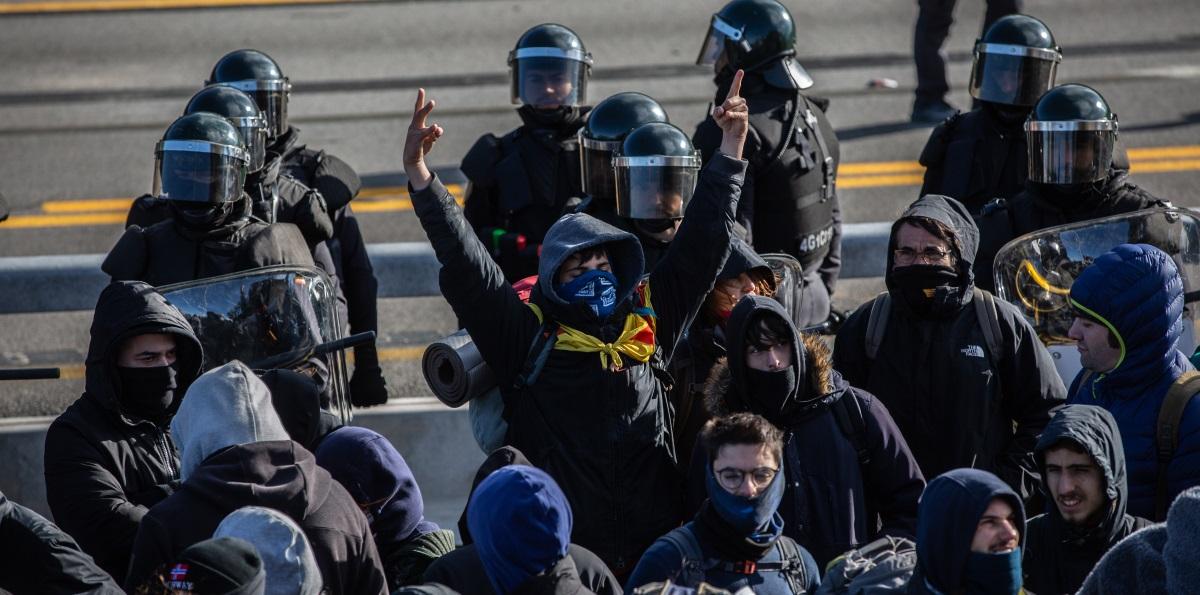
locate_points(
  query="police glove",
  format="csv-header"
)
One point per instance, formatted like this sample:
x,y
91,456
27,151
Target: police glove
x,y
367,386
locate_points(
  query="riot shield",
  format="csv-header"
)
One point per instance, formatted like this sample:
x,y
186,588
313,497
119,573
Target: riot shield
x,y
268,318
1035,271
808,312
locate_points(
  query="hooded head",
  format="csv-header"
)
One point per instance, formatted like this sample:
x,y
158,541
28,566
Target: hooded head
x,y
127,309
501,457
521,522
286,554
217,566
297,399
573,233
379,480
1135,291
1179,554
225,407
944,288
947,518
1093,430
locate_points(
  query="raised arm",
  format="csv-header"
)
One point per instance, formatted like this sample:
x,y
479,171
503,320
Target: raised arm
x,y
486,305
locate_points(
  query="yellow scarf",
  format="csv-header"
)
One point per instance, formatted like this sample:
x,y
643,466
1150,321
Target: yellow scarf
x,y
637,339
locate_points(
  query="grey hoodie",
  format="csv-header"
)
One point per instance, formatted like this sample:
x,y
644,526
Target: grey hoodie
x,y
1158,559
227,406
285,551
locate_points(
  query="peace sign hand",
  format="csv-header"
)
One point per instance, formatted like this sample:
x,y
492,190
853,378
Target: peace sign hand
x,y
419,142
733,116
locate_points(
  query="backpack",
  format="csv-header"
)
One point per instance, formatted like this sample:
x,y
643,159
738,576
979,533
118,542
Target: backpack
x,y
488,422
1166,434
882,566
985,311
695,566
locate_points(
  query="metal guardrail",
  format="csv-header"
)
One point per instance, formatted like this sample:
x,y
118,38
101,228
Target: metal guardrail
x,y
404,269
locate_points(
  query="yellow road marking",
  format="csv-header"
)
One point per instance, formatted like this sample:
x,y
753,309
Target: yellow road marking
x,y
34,221
13,8
1164,152
90,205
880,181
879,167
1147,167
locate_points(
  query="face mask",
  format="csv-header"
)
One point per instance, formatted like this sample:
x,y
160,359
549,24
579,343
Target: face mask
x,y
771,392
749,516
147,393
596,288
994,574
562,118
202,218
927,288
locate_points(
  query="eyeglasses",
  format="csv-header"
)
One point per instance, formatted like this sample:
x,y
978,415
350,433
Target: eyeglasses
x,y
731,479
928,256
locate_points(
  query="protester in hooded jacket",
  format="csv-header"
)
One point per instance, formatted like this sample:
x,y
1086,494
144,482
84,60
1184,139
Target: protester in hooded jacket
x,y
297,400
234,452
609,446
37,557
834,501
287,557
109,457
521,522
934,351
1083,474
1158,559
383,486
970,531
216,566
1129,317
737,539
745,273
463,571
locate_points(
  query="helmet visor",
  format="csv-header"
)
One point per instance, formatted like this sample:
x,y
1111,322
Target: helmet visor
x,y
1012,74
254,134
199,172
549,77
655,187
272,99
595,166
1070,152
714,43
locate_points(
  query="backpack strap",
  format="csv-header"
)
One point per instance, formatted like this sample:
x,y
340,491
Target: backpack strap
x,y
694,567
989,320
539,351
792,564
877,321
1166,435
848,413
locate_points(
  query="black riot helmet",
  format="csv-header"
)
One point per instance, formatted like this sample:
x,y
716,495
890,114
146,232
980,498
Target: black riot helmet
x,y
549,67
601,137
241,111
1015,61
260,77
755,36
200,167
1070,133
656,170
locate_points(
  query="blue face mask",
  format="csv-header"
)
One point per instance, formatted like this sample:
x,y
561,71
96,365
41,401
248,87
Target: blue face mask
x,y
998,574
596,288
750,516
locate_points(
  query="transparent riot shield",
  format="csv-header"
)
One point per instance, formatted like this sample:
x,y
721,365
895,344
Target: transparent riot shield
x,y
1036,270
279,317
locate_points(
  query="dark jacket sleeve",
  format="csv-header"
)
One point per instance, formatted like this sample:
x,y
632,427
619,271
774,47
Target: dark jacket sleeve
x,y
893,480
128,257
151,549
707,139
594,574
661,561
1032,392
367,574
849,350
311,216
500,324
39,558
679,284
88,501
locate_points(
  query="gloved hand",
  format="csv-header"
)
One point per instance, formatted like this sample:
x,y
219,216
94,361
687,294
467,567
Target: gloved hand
x,y
367,386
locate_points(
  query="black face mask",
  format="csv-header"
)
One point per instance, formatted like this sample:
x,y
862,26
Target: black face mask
x,y
928,289
771,392
1069,197
1009,115
564,118
203,218
147,393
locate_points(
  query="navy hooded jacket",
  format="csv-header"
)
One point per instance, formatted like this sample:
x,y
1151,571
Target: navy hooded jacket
x,y
1135,290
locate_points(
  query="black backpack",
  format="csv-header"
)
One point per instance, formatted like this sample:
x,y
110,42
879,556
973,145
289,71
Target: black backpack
x,y
696,566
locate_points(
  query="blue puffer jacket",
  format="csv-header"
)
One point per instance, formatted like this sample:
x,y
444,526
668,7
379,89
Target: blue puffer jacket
x,y
1135,290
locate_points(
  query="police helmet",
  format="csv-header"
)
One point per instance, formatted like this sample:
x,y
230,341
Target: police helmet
x,y
656,170
549,67
1015,61
1070,134
601,137
260,77
755,36
241,111
200,161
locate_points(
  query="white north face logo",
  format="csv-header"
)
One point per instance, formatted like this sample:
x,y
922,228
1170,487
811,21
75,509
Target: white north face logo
x,y
973,351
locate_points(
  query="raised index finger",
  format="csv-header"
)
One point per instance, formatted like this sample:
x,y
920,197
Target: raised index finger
x,y
736,88
418,117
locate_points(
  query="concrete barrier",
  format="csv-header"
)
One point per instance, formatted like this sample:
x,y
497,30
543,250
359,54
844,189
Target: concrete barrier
x,y
435,440
404,269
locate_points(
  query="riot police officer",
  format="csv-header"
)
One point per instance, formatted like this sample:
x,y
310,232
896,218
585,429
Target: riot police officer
x,y
1071,135
789,202
519,184
980,155
201,165
655,170
599,140
260,76
273,197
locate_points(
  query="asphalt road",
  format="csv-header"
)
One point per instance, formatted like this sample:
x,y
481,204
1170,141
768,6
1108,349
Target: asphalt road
x,y
84,96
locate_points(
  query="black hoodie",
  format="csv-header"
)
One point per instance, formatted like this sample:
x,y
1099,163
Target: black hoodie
x,y
956,406
37,557
105,469
1059,556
